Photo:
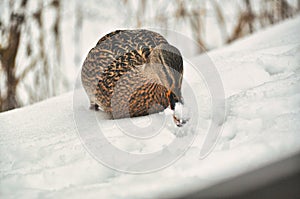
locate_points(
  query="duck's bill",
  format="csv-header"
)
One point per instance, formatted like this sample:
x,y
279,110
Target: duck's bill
x,y
179,122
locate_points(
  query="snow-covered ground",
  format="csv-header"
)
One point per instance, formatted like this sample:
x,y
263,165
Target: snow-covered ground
x,y
45,149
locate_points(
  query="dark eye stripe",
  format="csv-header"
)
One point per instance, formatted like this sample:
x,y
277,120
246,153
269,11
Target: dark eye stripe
x,y
167,73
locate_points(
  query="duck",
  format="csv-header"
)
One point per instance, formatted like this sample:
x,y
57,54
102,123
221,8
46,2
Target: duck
x,y
132,73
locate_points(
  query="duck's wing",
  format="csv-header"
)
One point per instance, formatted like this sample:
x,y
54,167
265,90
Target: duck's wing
x,y
136,95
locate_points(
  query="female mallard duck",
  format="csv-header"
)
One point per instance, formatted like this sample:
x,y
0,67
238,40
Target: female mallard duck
x,y
133,73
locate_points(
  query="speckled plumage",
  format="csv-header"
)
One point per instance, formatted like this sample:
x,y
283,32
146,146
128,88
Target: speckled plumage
x,y
132,73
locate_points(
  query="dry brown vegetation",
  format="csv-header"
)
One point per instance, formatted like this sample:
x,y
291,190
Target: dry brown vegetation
x,y
24,28
252,15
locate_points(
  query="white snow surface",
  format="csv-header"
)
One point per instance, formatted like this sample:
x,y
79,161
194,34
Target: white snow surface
x,y
43,156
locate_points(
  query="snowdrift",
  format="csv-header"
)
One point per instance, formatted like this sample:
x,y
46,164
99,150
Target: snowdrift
x,y
42,154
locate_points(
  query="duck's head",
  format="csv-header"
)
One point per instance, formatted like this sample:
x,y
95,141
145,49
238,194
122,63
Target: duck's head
x,y
166,64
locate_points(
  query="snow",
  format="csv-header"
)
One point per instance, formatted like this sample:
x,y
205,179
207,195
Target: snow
x,y
53,149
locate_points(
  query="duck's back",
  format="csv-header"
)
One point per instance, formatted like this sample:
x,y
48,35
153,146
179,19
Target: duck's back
x,y
115,54
124,41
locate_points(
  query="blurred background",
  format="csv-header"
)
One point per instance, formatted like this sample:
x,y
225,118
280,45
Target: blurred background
x,y
44,43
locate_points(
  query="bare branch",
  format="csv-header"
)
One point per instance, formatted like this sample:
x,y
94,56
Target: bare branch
x,y
221,19
2,50
27,69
